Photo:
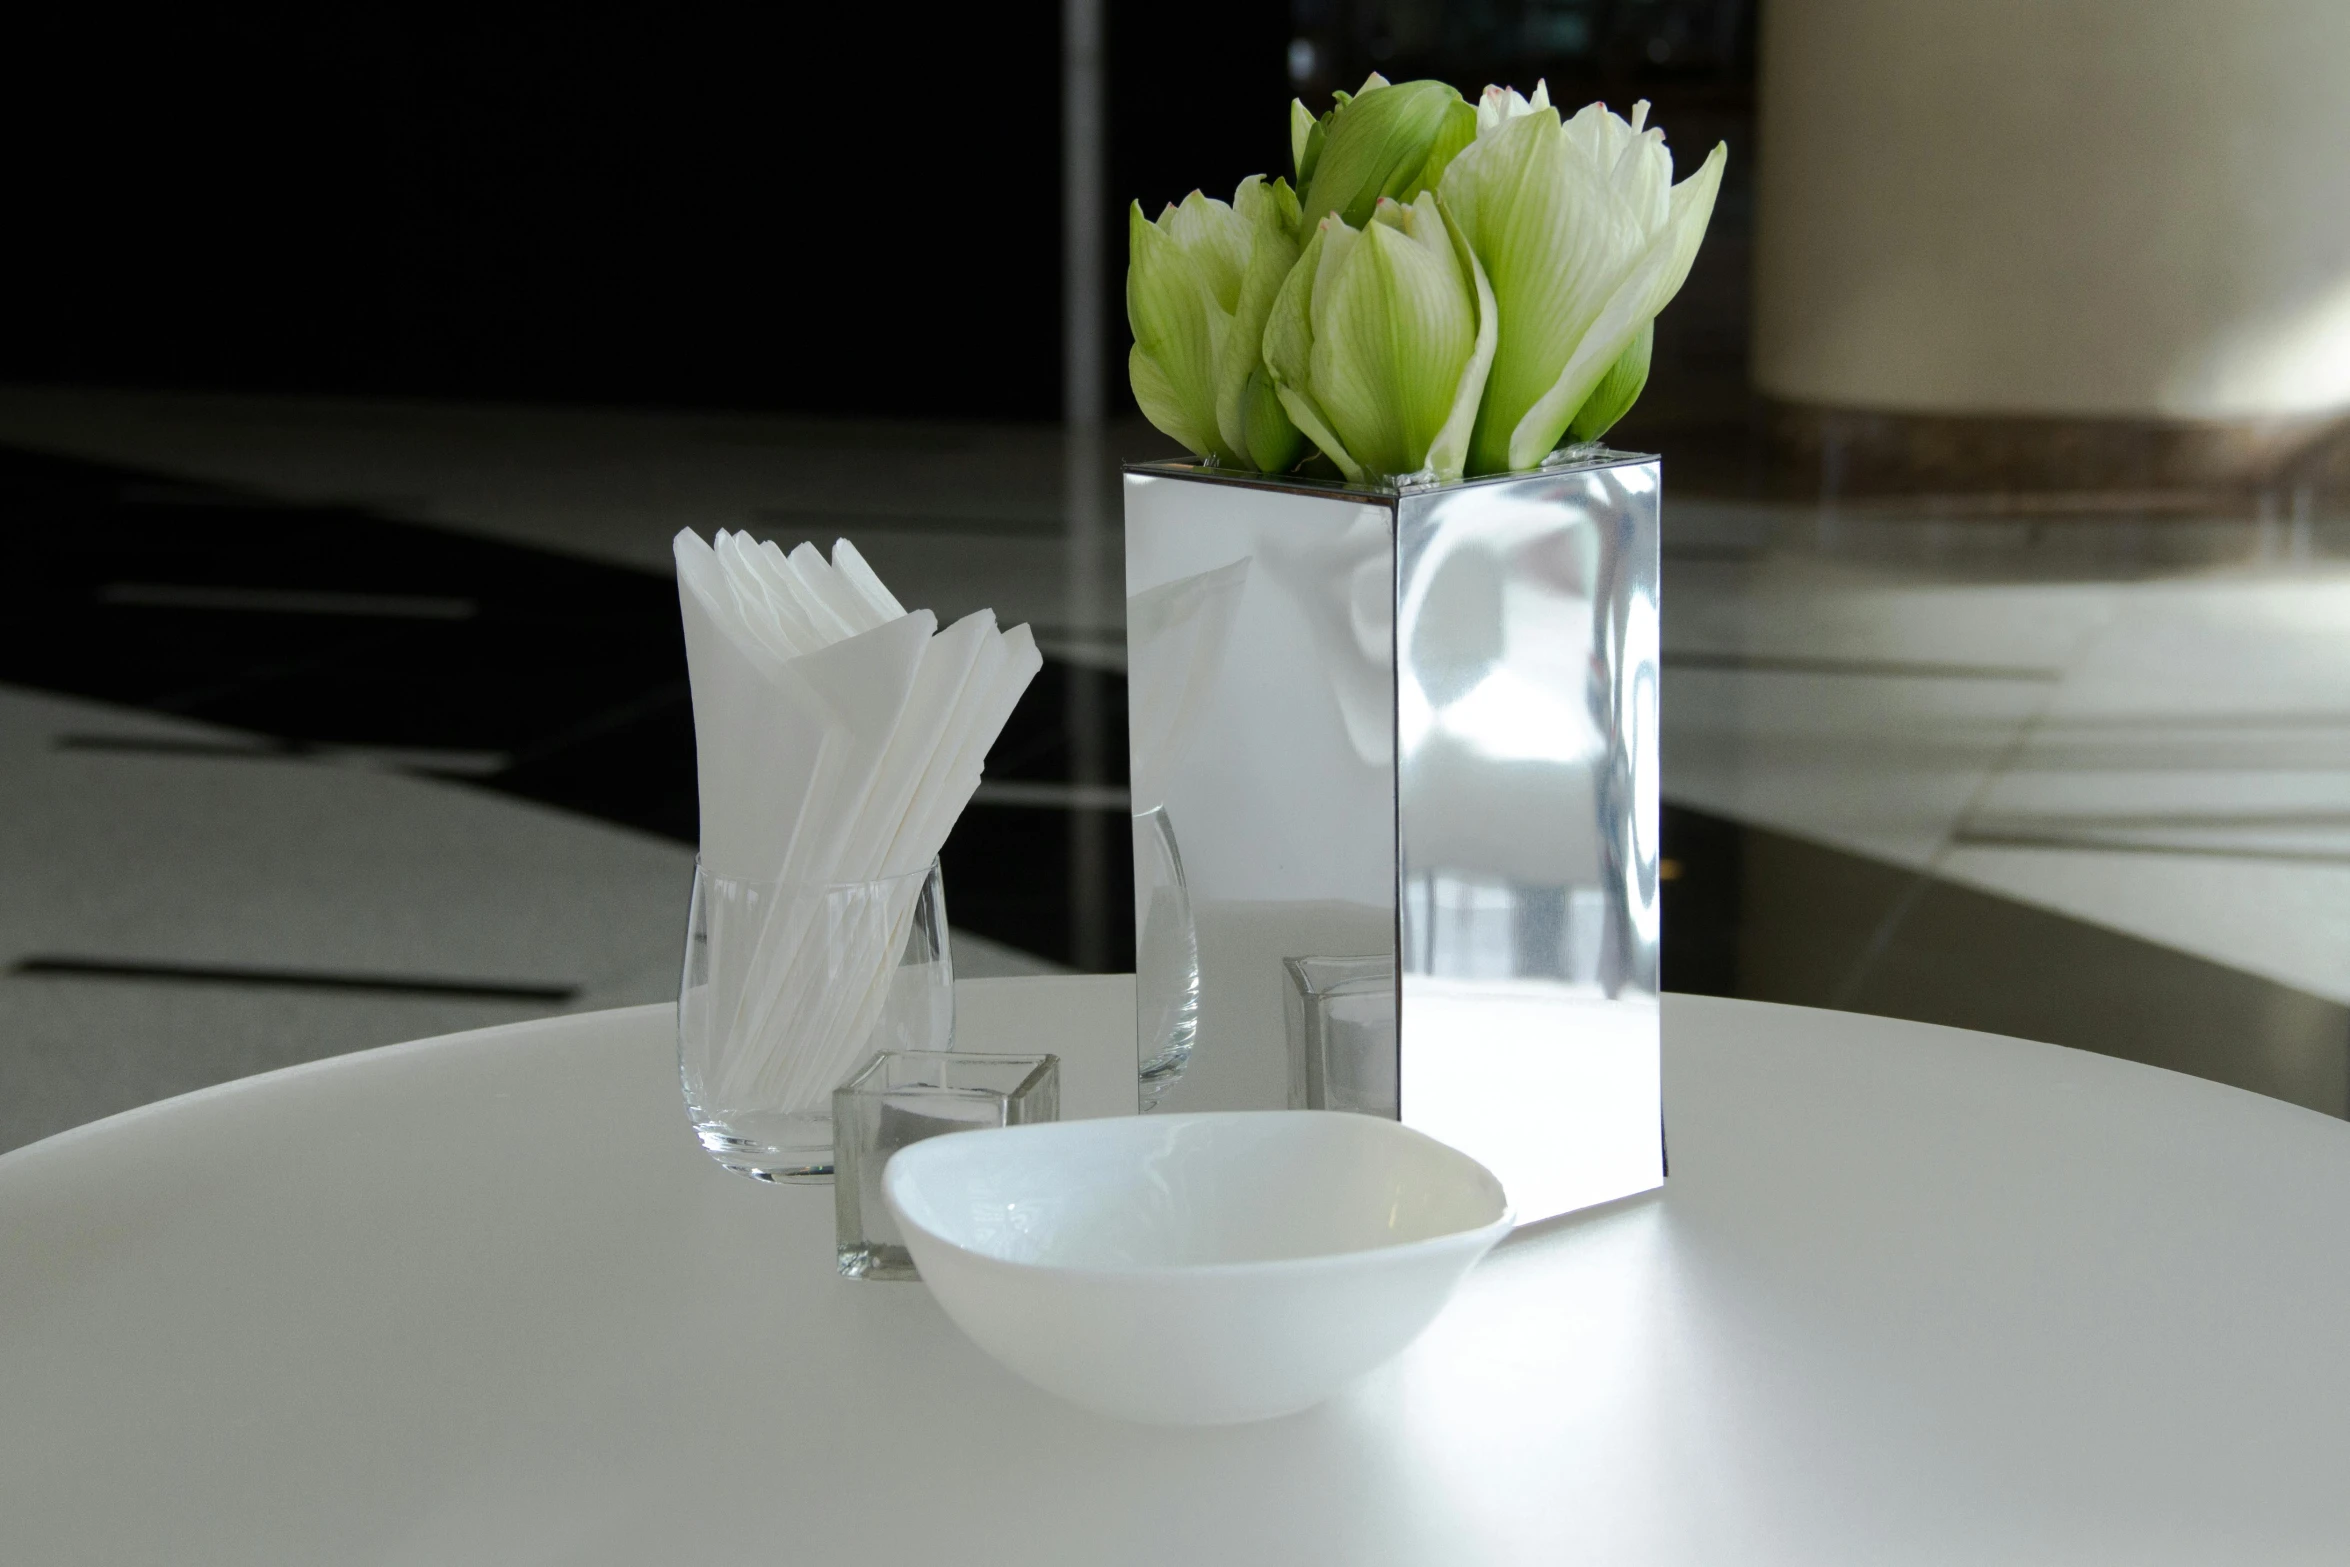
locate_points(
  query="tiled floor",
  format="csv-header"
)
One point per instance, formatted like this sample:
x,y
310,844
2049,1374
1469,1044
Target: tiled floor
x,y
163,859
2085,780
2067,743
379,697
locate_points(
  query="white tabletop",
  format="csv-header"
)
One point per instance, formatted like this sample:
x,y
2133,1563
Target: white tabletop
x,y
1911,1294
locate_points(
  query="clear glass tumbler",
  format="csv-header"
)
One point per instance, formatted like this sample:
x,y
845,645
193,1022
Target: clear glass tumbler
x,y
788,991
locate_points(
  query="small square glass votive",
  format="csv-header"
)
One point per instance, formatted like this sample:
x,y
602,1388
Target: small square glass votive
x,y
1342,1038
904,1096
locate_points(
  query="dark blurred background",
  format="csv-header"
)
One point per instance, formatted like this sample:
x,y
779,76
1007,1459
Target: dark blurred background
x,y
599,203
785,209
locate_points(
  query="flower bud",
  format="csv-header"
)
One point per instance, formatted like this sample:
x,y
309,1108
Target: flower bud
x,y
1379,343
1387,140
1199,283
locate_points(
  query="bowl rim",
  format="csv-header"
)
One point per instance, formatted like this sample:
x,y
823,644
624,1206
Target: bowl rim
x,y
1316,1262
1485,1235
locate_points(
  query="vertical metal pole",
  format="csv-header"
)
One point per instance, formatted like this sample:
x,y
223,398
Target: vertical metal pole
x,y
1081,414
1081,212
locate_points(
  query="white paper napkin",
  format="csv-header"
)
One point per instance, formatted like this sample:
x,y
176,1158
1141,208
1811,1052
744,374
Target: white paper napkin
x,y
838,738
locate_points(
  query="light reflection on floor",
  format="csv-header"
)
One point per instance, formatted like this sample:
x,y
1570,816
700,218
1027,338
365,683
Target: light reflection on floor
x,y
2082,776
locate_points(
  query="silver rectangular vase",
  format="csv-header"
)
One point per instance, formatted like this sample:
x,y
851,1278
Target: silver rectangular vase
x,y
1395,791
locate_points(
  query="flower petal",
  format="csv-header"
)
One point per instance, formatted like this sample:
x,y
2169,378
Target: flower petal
x,y
1160,404
1214,240
1259,202
1394,326
1503,103
1270,437
1448,453
1348,370
1269,213
1172,313
1617,390
1452,137
1554,243
1599,134
1375,145
1646,289
1289,349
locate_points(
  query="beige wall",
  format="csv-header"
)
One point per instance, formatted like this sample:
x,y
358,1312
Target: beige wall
x,y
2069,207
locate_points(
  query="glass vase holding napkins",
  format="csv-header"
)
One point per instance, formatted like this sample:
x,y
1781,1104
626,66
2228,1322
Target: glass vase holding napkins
x,y
800,970
838,737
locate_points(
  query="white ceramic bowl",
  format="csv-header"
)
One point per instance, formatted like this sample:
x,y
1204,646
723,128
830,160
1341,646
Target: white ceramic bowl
x,y
1194,1269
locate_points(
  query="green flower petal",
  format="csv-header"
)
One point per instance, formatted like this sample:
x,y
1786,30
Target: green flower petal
x,y
1375,145
1584,239
1453,137
1273,440
1171,307
1155,394
1214,241
1395,326
1269,213
1617,390
1289,352
1655,277
1448,453
1555,242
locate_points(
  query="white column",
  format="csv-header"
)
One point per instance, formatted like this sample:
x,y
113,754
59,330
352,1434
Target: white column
x,y
2072,208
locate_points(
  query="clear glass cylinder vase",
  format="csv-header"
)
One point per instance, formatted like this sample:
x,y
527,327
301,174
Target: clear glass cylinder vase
x,y
788,991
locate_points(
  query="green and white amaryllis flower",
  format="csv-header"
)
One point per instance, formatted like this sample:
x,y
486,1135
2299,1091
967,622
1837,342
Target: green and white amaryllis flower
x,y
1380,341
1388,141
1584,237
1199,283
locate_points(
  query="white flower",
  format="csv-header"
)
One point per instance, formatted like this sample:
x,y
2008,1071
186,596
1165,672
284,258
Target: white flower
x,y
1584,237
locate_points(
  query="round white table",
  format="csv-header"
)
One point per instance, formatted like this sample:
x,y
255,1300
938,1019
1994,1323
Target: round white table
x,y
1912,1294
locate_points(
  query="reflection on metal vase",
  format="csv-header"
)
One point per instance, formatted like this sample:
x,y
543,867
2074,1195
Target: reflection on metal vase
x,y
1408,738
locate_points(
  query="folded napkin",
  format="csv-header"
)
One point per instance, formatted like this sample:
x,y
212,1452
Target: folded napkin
x,y
838,738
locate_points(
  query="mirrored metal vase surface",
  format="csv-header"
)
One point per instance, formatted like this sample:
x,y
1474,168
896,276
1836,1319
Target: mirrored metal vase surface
x,y
1395,779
